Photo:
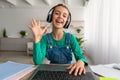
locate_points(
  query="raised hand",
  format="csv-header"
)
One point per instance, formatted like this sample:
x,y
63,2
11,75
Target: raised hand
x,y
37,30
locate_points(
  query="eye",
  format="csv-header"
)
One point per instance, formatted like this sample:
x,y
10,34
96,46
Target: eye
x,y
56,13
65,16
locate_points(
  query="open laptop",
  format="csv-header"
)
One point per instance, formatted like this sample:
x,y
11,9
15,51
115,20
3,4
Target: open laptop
x,y
59,72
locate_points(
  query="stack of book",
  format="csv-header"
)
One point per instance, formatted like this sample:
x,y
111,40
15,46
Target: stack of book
x,y
10,70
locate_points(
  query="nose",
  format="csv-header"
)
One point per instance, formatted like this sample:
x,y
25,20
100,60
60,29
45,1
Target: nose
x,y
61,16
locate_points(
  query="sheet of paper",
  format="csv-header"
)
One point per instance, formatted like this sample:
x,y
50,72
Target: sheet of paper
x,y
9,69
106,71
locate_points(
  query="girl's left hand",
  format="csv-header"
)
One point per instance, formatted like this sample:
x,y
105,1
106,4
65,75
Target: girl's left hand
x,y
78,68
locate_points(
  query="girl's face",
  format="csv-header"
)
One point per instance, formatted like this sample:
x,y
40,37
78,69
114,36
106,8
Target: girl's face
x,y
60,16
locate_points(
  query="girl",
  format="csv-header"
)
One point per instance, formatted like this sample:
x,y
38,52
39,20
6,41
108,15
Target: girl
x,y
58,45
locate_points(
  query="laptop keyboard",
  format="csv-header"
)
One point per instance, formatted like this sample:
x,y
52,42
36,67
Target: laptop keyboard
x,y
61,75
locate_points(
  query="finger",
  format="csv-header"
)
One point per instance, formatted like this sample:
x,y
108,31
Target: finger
x,y
45,27
45,30
38,22
72,69
84,71
76,71
34,23
30,27
80,71
69,67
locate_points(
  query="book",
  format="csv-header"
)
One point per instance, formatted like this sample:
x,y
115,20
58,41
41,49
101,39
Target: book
x,y
10,69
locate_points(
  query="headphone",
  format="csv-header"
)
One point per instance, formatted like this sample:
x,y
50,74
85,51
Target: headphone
x,y
50,14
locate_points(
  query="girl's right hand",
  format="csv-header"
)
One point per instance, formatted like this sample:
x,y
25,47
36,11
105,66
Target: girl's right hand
x,y
37,30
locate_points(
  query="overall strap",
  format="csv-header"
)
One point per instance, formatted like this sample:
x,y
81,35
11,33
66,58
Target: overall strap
x,y
68,38
48,37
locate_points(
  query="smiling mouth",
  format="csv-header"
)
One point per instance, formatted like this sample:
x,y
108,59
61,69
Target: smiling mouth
x,y
59,22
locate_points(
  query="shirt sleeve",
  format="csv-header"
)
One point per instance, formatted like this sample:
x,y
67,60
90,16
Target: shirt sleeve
x,y
77,50
39,51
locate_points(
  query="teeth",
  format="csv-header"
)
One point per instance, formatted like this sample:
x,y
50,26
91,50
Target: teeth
x,y
58,22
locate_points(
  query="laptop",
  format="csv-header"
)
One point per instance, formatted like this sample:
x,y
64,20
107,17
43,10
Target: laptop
x,y
59,72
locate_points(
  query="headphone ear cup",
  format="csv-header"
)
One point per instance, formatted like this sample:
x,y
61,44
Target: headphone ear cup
x,y
66,25
68,22
49,18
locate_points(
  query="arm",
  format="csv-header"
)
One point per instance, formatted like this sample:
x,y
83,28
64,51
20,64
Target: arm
x,y
39,51
39,46
78,67
77,50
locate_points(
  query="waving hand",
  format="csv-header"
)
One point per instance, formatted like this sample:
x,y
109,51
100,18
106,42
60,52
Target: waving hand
x,y
37,30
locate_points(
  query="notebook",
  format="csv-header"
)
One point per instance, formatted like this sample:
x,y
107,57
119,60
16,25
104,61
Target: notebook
x,y
59,72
